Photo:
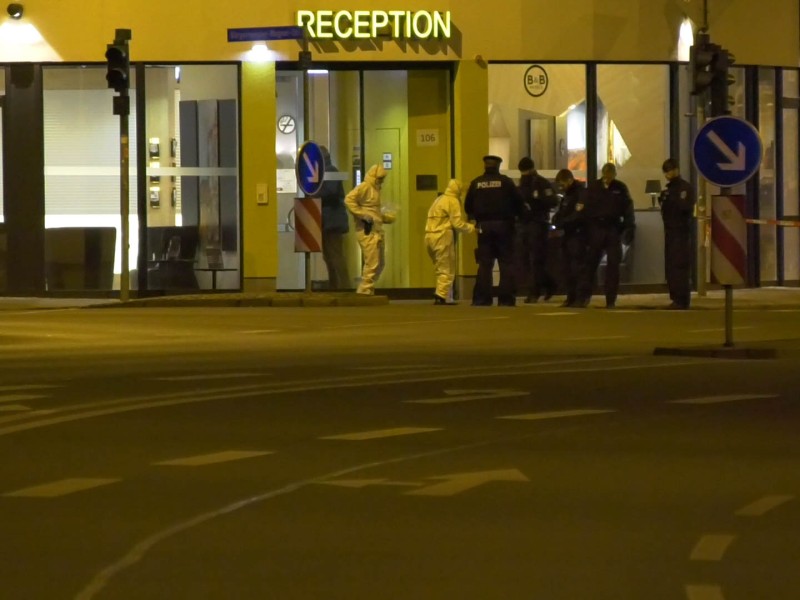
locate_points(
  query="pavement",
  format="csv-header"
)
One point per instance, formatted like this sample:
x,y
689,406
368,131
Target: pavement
x,y
751,299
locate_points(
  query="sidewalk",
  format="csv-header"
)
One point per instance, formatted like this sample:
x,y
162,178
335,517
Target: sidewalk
x,y
750,299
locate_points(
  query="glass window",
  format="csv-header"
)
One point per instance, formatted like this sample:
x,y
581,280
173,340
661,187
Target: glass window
x,y
539,111
192,177
791,162
633,123
2,93
766,200
82,181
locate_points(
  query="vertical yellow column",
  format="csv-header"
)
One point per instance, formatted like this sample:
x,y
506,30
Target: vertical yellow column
x,y
471,142
259,197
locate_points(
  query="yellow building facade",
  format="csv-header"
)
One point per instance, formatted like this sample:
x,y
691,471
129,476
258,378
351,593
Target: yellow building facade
x,y
426,89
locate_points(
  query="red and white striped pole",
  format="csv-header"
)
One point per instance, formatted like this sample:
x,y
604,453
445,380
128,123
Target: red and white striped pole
x,y
728,250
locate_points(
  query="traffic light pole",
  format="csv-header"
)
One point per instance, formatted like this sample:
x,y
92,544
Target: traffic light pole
x,y
703,217
122,108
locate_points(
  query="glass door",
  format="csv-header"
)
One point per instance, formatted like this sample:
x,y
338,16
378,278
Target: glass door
x,y
398,119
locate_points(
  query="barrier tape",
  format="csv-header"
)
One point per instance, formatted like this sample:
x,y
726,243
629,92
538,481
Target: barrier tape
x,y
779,222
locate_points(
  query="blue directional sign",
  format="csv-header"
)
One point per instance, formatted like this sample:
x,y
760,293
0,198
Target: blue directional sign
x,y
310,168
266,34
727,151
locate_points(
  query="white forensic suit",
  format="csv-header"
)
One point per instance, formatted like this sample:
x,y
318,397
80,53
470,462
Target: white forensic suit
x,y
364,203
445,216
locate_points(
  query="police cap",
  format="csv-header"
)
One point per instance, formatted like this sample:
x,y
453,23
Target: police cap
x,y
491,158
526,164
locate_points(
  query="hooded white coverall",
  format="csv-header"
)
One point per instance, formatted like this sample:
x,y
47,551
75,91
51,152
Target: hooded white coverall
x,y
364,203
443,217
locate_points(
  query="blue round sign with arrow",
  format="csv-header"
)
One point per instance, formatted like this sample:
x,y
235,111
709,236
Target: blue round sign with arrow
x,y
727,151
310,168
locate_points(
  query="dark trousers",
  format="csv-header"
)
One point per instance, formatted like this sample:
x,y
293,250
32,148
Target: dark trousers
x,y
495,243
534,258
573,266
333,255
604,240
678,263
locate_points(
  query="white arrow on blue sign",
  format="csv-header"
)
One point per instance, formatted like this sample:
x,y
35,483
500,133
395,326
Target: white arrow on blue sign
x,y
727,151
310,168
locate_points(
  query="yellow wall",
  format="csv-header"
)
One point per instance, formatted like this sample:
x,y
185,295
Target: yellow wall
x,y
471,98
260,233
505,30
428,109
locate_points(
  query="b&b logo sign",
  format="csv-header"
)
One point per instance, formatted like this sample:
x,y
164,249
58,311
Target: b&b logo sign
x,y
536,81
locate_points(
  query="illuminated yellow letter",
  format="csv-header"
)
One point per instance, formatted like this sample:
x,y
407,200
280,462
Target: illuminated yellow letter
x,y
380,19
361,24
342,33
324,24
425,16
441,24
308,17
396,15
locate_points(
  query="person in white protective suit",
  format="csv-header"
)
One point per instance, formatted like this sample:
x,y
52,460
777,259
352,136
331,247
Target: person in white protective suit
x,y
364,203
444,217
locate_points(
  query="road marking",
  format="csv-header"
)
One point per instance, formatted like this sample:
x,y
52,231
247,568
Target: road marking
x,y
461,482
718,329
722,399
62,487
380,433
208,376
763,506
704,592
257,331
211,459
14,408
19,388
712,547
557,314
21,397
362,483
593,339
465,395
557,414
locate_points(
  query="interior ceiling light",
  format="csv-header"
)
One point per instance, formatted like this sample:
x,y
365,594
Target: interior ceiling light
x,y
15,11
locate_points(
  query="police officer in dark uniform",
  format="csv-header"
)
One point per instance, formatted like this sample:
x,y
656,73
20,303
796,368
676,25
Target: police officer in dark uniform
x,y
610,223
569,218
677,211
539,198
494,203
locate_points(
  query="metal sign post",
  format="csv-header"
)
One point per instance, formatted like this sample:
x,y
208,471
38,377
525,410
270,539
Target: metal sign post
x,y
727,152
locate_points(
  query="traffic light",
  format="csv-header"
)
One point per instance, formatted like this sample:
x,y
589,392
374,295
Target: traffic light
x,y
118,65
720,100
702,56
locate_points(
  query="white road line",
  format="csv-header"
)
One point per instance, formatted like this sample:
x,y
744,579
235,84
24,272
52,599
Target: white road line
x,y
763,506
20,388
557,314
380,433
14,408
202,460
401,323
21,397
718,329
704,592
62,487
557,414
257,331
455,396
722,399
596,339
209,376
712,547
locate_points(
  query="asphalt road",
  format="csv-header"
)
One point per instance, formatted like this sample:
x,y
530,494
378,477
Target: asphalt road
x,y
402,451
